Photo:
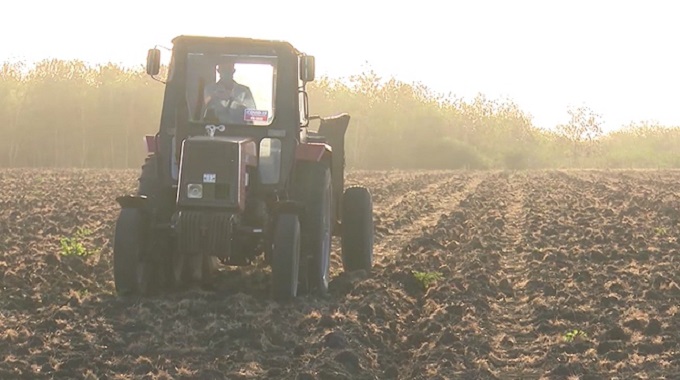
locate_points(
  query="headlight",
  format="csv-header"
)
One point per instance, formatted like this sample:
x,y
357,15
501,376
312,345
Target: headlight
x,y
195,190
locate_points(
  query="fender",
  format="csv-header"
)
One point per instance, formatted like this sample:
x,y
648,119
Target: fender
x,y
151,143
313,152
139,202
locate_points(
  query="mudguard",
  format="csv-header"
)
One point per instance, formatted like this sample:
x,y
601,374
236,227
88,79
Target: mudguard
x,y
139,202
333,129
313,152
151,142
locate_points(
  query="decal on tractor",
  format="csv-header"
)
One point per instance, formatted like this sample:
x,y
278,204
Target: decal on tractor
x,y
209,178
256,115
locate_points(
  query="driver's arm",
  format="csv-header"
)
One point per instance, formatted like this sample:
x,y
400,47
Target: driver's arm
x,y
207,94
248,99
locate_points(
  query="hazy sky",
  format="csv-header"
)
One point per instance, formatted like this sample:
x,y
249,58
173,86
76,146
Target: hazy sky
x,y
618,57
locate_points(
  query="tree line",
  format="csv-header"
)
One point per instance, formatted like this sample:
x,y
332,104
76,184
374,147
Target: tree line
x,y
60,113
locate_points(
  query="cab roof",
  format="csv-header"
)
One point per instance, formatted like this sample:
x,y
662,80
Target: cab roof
x,y
188,40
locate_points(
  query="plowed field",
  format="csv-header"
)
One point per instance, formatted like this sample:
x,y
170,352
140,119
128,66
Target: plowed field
x,y
534,275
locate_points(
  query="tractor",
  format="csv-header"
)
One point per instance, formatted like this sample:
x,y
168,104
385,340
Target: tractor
x,y
235,173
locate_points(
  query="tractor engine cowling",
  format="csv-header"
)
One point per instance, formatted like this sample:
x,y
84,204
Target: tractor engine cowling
x,y
211,194
213,172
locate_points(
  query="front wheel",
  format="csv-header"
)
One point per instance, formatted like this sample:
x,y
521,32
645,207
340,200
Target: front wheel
x,y
315,189
286,257
129,271
357,229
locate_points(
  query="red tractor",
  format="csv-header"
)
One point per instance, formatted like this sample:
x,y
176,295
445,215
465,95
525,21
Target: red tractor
x,y
235,173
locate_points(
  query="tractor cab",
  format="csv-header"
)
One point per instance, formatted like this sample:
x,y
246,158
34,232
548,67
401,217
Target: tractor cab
x,y
235,87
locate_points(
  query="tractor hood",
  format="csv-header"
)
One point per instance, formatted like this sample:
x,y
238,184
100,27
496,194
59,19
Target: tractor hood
x,y
214,171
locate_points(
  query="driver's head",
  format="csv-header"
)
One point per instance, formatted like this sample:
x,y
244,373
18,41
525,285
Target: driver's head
x,y
226,70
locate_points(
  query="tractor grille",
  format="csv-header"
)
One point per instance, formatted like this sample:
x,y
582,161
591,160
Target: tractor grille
x,y
204,232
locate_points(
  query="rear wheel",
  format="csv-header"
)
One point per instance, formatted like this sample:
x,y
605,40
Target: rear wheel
x,y
286,257
357,229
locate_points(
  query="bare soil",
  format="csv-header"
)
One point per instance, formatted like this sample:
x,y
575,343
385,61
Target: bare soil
x,y
538,275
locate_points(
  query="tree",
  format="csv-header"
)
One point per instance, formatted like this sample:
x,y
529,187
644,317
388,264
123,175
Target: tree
x,y
583,130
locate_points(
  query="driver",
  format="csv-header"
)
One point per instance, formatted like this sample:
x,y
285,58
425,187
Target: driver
x,y
226,99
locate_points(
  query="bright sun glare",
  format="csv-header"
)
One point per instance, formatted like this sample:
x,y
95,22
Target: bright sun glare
x,y
618,58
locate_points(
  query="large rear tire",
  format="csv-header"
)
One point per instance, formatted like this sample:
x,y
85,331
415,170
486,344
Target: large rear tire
x,y
286,257
357,229
315,189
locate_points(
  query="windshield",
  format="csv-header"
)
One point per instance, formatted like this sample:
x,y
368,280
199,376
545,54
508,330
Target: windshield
x,y
231,89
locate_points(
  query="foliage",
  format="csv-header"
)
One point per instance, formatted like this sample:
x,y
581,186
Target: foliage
x,y
584,125
575,334
426,279
68,114
582,130
74,245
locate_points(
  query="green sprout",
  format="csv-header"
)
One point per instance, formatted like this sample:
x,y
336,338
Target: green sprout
x,y
572,335
73,246
427,278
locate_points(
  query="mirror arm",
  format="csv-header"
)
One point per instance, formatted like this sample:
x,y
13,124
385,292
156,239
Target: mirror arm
x,y
157,80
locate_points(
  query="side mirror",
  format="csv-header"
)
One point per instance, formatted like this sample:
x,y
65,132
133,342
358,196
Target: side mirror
x,y
307,68
153,62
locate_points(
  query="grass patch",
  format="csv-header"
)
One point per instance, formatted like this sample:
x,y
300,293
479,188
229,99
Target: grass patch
x,y
75,245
